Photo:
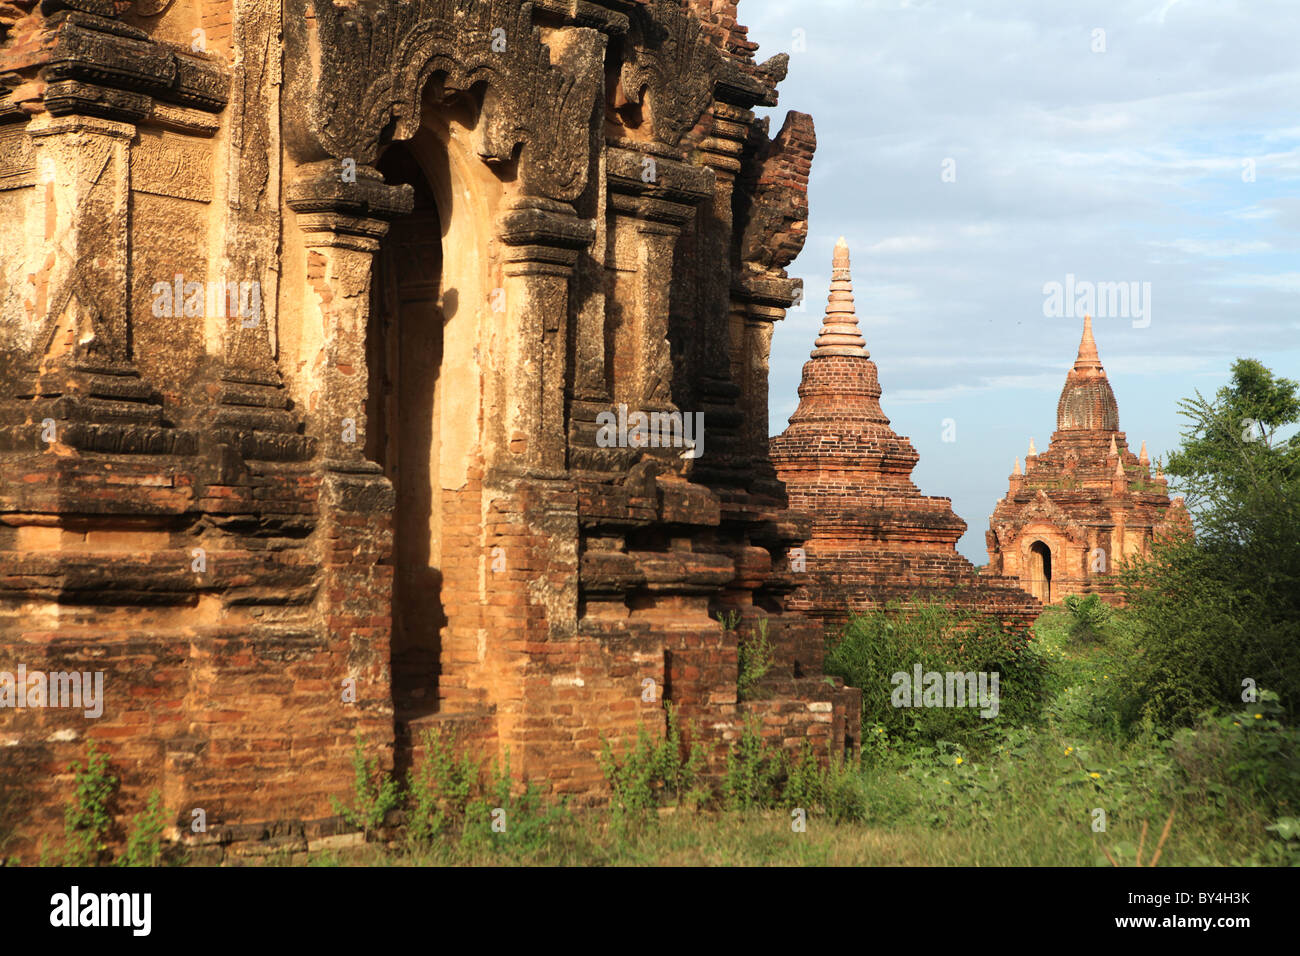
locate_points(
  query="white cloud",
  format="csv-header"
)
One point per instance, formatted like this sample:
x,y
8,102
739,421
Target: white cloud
x,y
904,245
1121,165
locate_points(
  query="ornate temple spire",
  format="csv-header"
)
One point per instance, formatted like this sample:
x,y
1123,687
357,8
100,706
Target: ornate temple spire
x,y
1088,358
1114,451
1119,469
1032,449
1087,402
874,536
1016,470
840,334
1143,458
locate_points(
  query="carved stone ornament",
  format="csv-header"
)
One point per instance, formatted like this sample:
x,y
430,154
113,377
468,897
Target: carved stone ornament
x,y
673,64
365,68
101,66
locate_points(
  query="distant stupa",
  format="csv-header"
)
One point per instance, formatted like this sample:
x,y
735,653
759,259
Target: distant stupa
x,y
1087,502
875,537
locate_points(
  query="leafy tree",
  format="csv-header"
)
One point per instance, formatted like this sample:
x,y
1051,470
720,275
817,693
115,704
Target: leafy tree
x,y
1214,612
1239,475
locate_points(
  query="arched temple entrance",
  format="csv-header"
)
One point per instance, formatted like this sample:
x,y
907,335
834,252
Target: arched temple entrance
x,y
1040,571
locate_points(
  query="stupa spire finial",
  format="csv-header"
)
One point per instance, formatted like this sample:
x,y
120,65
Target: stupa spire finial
x,y
840,334
1087,357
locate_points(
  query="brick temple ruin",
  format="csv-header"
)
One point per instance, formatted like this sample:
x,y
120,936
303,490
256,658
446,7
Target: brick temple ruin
x,y
875,538
310,316
1087,503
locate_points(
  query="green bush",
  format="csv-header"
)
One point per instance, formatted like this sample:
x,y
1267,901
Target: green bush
x,y
144,842
374,793
756,657
87,820
804,780
1224,608
439,787
845,796
505,822
1203,625
876,645
653,773
1252,751
1088,618
755,654
753,772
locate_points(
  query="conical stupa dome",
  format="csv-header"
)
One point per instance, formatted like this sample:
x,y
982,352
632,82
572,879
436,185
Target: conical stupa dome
x,y
1087,402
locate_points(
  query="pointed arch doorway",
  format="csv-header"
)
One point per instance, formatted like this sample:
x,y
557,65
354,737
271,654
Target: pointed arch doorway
x,y
1040,571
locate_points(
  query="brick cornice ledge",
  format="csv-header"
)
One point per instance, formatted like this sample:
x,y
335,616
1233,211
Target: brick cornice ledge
x,y
543,235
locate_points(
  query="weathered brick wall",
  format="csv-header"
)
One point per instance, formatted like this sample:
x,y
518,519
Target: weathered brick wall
x,y
578,585
223,675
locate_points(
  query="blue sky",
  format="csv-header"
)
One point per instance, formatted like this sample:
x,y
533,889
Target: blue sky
x,y
1120,156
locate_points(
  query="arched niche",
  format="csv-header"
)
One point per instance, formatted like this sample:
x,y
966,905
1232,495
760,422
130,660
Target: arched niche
x,y
432,353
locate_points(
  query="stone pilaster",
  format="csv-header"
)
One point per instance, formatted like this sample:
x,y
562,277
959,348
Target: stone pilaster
x,y
78,373
343,222
542,239
761,302
652,198
724,360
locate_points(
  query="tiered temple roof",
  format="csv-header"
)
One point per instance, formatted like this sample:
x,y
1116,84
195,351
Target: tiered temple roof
x,y
875,537
1087,502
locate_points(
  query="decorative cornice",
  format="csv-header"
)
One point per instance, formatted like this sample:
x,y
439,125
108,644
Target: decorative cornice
x,y
739,87
609,16
103,67
665,192
320,188
767,290
544,234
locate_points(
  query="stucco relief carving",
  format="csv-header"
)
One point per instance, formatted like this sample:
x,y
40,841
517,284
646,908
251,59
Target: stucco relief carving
x,y
173,167
674,65
17,158
373,61
1043,509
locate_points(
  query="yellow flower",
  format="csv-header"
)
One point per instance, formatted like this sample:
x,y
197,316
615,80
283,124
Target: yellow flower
x,y
947,781
959,761
1259,716
1068,751
880,730
1095,776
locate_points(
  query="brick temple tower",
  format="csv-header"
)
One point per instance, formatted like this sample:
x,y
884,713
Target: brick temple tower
x,y
307,331
875,537
1087,502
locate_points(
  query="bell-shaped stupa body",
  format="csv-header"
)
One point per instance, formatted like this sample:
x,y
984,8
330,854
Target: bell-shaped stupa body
x,y
1087,503
875,538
